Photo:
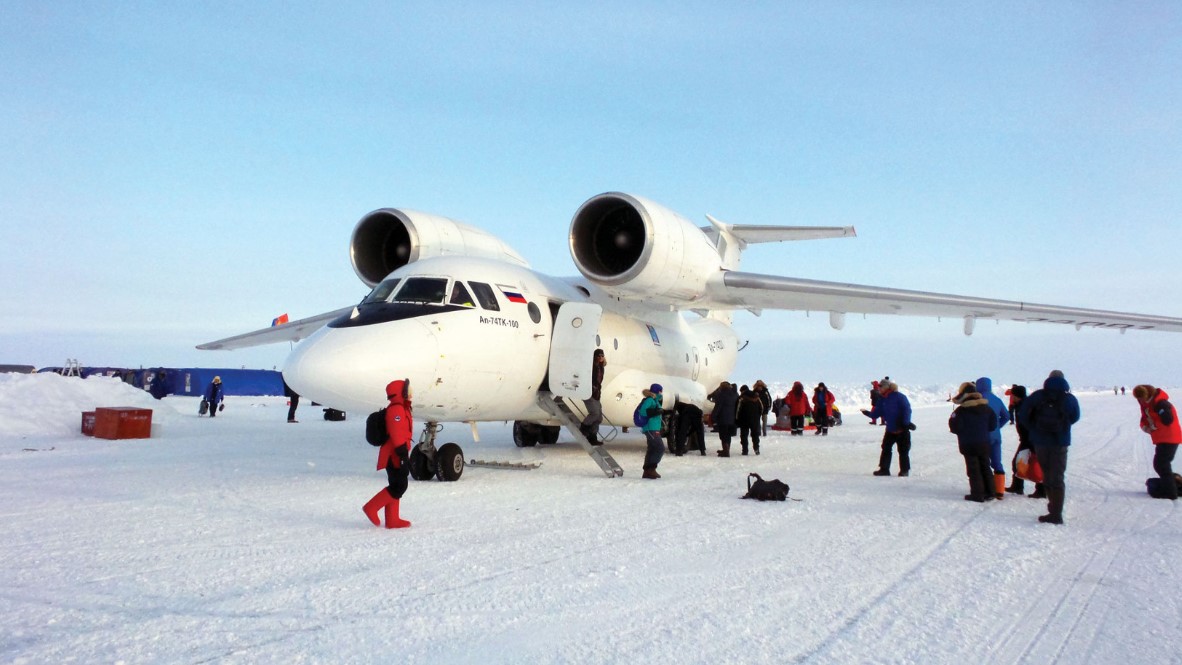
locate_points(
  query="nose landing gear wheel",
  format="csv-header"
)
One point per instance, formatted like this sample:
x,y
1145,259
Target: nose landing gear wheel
x,y
450,459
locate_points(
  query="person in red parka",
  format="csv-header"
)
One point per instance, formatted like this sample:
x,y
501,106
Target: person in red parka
x,y
822,409
394,456
1159,419
798,406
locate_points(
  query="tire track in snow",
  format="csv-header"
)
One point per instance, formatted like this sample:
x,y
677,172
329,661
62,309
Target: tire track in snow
x,y
854,619
1071,599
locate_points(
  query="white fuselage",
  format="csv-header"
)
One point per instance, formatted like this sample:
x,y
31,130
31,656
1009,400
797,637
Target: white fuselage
x,y
469,362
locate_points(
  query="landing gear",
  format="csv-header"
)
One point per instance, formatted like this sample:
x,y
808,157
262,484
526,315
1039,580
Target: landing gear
x,y
549,434
450,461
525,435
421,466
445,463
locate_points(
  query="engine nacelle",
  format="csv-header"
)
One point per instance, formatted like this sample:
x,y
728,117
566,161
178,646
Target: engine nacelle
x,y
631,246
387,239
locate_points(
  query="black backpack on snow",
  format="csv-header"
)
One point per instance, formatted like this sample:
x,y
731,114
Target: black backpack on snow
x,y
1049,416
765,490
375,428
1153,486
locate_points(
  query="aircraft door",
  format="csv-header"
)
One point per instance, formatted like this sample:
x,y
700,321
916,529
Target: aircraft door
x,y
571,348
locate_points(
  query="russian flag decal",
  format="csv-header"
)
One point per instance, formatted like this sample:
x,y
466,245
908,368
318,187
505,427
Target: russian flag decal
x,y
512,294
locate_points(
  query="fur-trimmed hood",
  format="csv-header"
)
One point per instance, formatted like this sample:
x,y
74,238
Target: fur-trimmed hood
x,y
967,395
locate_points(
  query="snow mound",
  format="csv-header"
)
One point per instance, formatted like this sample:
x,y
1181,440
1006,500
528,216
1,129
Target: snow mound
x,y
47,404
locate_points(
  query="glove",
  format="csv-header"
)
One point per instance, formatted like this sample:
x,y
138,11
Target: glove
x,y
402,453
222,406
911,426
866,413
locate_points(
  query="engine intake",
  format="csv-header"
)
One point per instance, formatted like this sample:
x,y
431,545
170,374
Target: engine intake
x,y
389,238
631,246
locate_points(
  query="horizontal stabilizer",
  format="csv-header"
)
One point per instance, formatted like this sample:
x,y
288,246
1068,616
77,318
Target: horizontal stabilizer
x,y
749,234
287,332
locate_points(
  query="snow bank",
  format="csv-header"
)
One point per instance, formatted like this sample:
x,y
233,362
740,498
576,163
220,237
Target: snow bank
x,y
47,404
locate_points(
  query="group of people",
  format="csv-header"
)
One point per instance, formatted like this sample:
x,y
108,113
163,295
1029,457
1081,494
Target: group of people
x,y
1043,420
742,410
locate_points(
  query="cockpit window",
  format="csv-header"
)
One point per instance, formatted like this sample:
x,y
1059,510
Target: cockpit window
x,y
422,289
381,292
459,295
485,296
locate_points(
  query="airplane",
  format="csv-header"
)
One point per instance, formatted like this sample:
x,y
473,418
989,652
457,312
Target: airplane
x,y
483,337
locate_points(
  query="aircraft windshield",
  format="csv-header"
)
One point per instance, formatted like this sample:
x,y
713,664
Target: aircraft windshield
x,y
459,295
381,292
485,295
422,289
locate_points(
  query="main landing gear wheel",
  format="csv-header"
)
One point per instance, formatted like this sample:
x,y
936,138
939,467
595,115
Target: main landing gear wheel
x,y
525,435
421,466
450,459
549,434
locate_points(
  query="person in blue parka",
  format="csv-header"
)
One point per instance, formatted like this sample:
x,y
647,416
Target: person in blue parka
x,y
895,411
213,395
985,387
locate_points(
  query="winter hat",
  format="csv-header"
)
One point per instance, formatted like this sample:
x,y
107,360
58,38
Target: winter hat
x,y
1143,392
656,388
217,379
598,353
1056,374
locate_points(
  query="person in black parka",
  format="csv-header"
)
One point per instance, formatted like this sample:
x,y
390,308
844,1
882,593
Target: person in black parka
x,y
1048,416
293,399
972,422
726,405
748,418
689,426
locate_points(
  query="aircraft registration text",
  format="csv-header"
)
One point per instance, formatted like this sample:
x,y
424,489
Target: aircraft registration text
x,y
500,321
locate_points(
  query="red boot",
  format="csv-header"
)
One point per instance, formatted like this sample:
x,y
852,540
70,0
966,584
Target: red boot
x,y
375,504
393,521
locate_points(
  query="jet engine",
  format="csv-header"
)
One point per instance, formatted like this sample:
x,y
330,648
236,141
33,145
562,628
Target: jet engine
x,y
387,239
632,247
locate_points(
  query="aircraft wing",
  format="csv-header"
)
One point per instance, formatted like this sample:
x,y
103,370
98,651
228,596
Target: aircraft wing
x,y
288,332
753,291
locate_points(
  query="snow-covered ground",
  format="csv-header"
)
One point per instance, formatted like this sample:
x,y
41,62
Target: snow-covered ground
x,y
241,539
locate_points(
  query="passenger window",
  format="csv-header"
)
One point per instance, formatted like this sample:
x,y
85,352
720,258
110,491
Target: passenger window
x,y
381,292
422,289
485,296
459,295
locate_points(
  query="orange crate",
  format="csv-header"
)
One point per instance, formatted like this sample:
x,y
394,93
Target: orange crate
x,y
122,422
88,423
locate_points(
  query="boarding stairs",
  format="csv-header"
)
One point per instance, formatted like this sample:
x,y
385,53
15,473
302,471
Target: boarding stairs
x,y
558,408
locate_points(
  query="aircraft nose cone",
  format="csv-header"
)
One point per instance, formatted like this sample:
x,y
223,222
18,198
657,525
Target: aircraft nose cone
x,y
348,368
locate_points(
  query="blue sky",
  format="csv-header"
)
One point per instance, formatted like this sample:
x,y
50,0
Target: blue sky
x,y
173,173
